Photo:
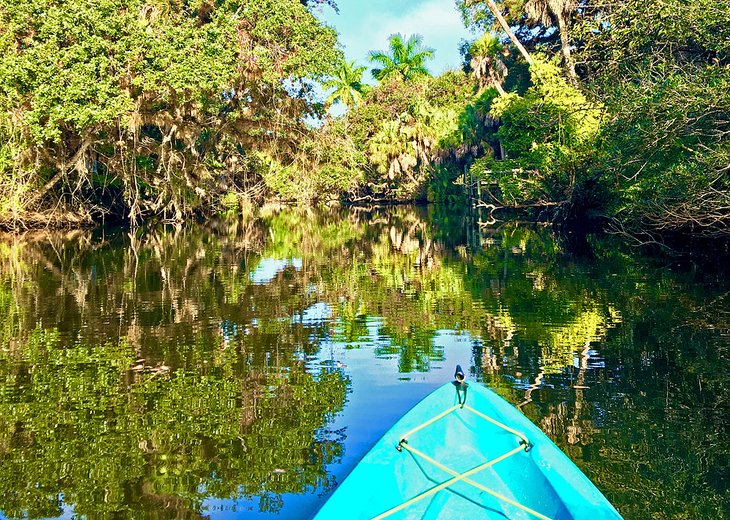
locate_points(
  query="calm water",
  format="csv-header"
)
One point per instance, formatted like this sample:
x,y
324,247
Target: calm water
x,y
241,369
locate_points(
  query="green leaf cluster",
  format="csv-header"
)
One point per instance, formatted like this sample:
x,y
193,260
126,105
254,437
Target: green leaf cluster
x,y
403,130
406,60
155,108
663,72
549,135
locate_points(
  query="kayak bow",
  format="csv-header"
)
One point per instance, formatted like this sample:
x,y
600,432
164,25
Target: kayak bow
x,y
464,452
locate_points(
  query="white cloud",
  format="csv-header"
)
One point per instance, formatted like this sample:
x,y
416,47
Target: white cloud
x,y
435,20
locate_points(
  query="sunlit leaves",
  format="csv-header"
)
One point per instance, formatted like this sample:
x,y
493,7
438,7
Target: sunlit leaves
x,y
188,91
663,73
347,84
406,60
548,133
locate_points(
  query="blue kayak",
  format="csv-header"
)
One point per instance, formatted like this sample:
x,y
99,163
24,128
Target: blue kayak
x,y
465,453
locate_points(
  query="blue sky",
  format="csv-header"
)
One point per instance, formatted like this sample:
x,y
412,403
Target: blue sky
x,y
365,25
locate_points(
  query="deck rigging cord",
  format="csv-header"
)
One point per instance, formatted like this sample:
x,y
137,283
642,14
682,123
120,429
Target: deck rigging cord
x,y
524,445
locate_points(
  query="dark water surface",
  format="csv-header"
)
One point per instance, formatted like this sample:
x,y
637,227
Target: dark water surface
x,y
240,369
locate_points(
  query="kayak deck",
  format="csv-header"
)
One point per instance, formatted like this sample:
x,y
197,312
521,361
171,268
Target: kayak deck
x,y
480,460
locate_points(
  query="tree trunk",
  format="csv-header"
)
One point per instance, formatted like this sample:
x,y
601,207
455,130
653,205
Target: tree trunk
x,y
565,45
497,85
63,170
498,15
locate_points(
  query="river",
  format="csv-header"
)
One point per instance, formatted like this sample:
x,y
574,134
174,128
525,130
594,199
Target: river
x,y
241,368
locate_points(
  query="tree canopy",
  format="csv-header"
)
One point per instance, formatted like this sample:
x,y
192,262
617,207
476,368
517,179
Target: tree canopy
x,y
406,59
145,109
571,110
347,84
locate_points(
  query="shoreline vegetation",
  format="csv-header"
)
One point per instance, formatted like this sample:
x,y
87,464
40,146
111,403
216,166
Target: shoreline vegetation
x,y
576,112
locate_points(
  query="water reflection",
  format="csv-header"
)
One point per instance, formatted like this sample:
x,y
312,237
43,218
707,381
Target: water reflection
x,y
243,367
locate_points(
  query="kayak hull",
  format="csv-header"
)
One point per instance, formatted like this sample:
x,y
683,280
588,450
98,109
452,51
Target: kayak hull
x,y
481,461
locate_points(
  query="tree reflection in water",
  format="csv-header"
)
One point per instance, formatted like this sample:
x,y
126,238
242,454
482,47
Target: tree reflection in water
x,y
142,373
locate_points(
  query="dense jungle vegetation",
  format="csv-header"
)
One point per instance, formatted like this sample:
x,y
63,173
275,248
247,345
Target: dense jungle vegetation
x,y
571,110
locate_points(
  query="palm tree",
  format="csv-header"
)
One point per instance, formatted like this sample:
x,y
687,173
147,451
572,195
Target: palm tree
x,y
348,85
486,63
541,11
406,60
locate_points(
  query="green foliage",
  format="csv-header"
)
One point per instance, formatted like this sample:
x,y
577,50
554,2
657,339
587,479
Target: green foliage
x,y
658,74
485,45
442,189
476,125
551,113
407,59
666,87
347,84
486,62
406,129
549,134
230,203
121,108
14,184
404,148
451,89
148,106
475,15
280,179
76,63
328,166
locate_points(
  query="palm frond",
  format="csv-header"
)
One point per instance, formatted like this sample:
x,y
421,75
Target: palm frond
x,y
406,56
382,58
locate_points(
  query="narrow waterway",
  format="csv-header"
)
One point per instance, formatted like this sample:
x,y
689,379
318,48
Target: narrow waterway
x,y
240,369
